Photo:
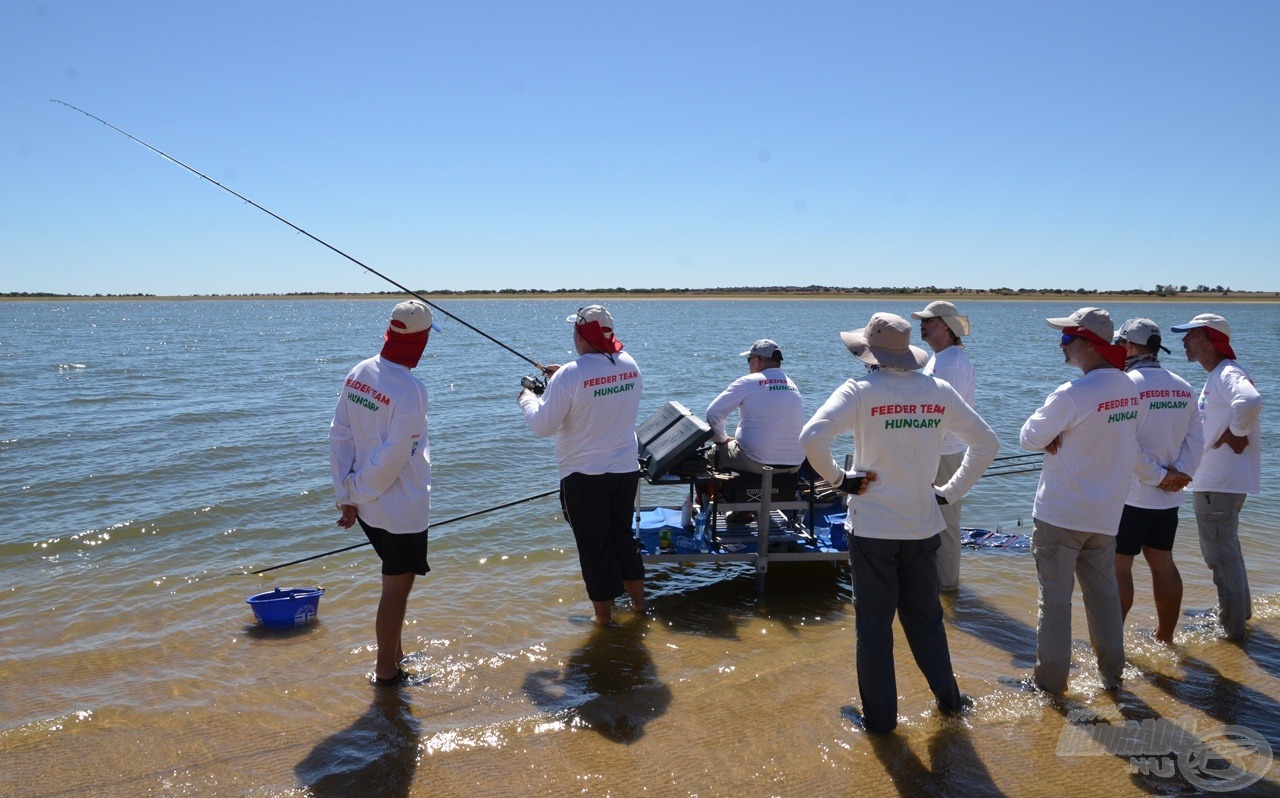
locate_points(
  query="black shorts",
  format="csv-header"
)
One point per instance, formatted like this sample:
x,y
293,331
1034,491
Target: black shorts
x,y
1140,526
401,554
599,509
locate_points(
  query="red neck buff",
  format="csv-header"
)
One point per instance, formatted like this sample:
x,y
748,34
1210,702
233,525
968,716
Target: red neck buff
x,y
1221,343
593,334
1114,354
404,348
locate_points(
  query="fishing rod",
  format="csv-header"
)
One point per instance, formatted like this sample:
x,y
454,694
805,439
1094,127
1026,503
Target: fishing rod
x,y
1002,473
316,239
1018,457
366,543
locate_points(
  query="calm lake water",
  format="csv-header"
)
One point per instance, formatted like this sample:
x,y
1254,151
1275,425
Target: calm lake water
x,y
152,452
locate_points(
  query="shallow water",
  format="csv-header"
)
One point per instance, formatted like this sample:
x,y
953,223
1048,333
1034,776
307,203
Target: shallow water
x,y
151,452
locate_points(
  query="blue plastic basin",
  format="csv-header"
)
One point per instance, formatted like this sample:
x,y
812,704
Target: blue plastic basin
x,y
285,609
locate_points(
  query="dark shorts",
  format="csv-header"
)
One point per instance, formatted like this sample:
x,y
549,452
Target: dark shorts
x,y
1140,527
599,508
401,554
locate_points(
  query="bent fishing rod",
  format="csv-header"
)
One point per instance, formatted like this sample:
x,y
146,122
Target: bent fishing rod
x,y
314,238
366,543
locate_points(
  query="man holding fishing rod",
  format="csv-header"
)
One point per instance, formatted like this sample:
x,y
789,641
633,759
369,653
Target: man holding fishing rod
x,y
590,406
381,463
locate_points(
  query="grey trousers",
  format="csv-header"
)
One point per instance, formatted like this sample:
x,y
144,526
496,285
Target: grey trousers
x,y
949,551
1061,555
898,577
1218,517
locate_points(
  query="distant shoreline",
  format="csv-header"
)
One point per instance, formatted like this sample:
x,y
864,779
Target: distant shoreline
x,y
1026,295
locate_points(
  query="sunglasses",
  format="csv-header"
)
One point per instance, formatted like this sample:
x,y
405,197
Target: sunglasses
x,y
1069,337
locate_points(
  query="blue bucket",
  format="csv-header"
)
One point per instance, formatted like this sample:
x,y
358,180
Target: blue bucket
x,y
285,609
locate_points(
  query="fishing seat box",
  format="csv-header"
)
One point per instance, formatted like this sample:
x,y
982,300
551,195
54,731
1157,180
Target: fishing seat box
x,y
669,438
745,487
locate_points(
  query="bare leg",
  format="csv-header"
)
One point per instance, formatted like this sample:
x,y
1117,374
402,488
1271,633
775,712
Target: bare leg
x,y
1166,584
390,623
635,589
1124,579
603,611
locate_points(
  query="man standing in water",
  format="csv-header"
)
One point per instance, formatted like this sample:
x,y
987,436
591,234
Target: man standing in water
x,y
941,326
590,406
1169,444
1230,408
381,464
899,418
1088,430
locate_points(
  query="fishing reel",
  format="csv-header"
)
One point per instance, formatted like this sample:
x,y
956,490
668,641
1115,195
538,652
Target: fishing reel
x,y
535,384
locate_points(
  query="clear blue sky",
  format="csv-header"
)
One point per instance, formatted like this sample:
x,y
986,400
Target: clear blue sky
x,y
480,145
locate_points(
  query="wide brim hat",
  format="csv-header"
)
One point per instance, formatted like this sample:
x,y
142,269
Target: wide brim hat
x,y
955,321
885,341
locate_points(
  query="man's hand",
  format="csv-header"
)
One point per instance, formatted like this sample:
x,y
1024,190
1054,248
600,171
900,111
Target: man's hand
x,y
1236,442
1174,480
348,518
855,484
552,369
1054,445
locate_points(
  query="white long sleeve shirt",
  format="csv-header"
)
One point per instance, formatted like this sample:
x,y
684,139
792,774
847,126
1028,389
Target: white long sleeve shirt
x,y
590,406
952,364
379,453
1229,400
1083,486
770,416
898,419
1169,435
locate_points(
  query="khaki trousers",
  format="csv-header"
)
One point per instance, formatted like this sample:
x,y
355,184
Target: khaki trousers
x,y
1062,555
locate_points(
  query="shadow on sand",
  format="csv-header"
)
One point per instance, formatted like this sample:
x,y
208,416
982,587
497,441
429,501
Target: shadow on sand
x,y
610,684
714,600
954,766
375,755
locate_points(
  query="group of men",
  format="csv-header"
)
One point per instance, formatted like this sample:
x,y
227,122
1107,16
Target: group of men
x,y
1121,443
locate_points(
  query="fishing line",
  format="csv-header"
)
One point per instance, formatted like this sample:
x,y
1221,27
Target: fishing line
x,y
320,241
366,543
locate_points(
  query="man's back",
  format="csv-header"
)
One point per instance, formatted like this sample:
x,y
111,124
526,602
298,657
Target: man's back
x,y
770,416
590,406
1084,484
1169,434
380,452
898,419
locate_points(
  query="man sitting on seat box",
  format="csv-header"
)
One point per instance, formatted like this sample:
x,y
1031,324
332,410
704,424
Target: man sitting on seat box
x,y
770,416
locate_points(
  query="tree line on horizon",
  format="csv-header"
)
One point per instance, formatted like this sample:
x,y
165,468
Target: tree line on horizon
x,y
1159,290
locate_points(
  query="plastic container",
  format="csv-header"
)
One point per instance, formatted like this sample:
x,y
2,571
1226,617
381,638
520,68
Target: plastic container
x,y
285,609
